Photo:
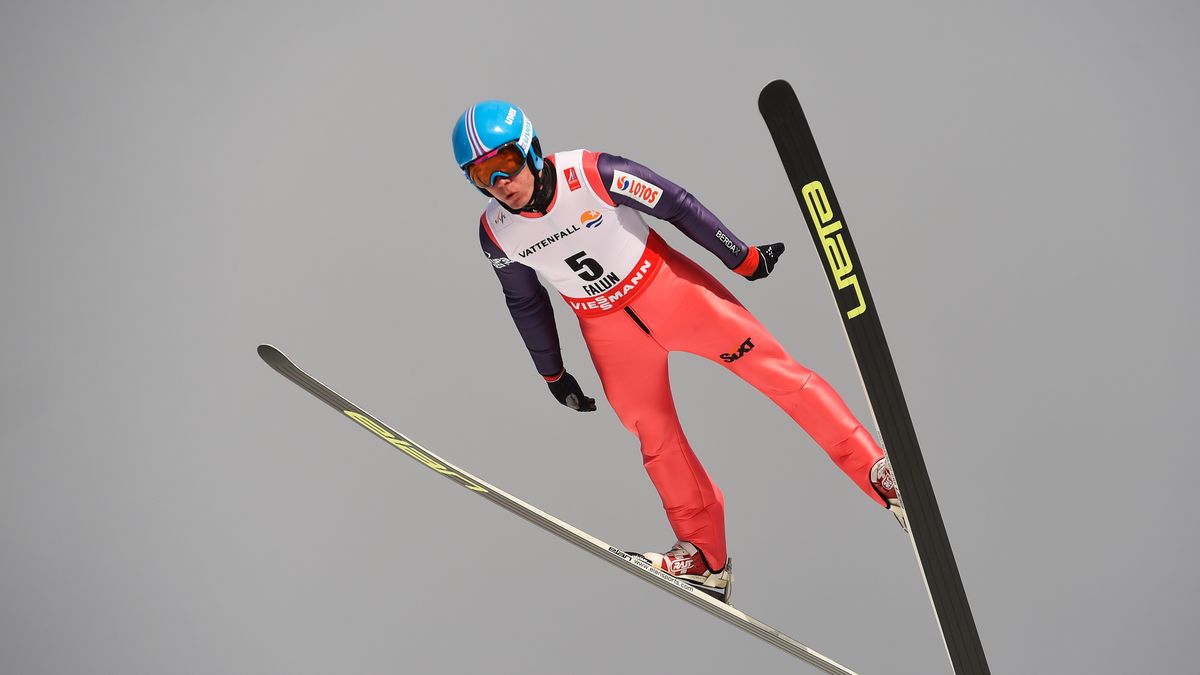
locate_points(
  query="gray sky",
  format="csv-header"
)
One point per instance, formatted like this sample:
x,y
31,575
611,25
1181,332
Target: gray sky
x,y
182,181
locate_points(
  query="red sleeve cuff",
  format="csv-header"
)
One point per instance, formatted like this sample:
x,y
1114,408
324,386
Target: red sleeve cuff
x,y
555,378
749,264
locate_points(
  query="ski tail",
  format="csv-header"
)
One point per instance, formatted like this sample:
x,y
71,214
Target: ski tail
x,y
826,222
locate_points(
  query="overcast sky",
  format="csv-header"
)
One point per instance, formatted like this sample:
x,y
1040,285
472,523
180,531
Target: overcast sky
x,y
180,182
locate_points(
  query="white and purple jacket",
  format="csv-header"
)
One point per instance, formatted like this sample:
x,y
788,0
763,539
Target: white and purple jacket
x,y
592,244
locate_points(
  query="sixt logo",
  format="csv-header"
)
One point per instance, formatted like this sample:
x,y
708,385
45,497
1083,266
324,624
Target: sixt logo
x,y
829,230
591,218
742,350
635,188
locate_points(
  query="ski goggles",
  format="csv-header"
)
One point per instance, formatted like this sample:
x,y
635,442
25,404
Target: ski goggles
x,y
505,161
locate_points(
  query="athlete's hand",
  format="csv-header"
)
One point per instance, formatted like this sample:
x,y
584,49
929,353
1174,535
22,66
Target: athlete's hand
x,y
566,390
768,255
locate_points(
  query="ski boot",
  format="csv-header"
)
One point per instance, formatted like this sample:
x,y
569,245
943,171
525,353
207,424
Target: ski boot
x,y
685,562
885,484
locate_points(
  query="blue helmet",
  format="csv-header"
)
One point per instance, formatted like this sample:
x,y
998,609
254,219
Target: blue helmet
x,y
488,125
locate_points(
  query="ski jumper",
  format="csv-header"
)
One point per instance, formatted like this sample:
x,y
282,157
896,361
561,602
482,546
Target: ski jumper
x,y
637,300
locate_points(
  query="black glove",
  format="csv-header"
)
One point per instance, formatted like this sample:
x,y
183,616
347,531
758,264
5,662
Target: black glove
x,y
768,255
566,390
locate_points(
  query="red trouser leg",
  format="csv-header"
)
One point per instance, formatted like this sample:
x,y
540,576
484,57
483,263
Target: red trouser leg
x,y
633,370
717,327
686,309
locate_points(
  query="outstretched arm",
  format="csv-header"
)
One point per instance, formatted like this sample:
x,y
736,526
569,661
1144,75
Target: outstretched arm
x,y
630,184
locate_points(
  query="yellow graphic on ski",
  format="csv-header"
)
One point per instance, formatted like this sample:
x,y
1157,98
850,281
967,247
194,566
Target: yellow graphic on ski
x,y
632,564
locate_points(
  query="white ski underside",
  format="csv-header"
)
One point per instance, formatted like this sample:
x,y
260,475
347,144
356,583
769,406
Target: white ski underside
x,y
629,563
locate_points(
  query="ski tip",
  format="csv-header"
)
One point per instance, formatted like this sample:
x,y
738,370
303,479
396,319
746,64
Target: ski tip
x,y
774,89
269,353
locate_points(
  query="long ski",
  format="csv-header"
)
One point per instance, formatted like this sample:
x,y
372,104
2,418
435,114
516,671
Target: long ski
x,y
827,224
633,564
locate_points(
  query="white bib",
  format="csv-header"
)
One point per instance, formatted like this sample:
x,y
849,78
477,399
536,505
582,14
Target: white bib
x,y
595,254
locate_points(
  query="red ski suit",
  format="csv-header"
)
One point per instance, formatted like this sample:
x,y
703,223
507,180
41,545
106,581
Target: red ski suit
x,y
672,305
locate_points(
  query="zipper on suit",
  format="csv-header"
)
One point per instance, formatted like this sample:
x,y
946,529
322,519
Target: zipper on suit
x,y
638,321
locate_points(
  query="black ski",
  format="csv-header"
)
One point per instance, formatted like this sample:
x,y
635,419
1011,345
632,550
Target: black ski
x,y
827,224
632,563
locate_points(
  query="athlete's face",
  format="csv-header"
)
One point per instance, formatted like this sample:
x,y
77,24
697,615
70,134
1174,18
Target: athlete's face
x,y
515,192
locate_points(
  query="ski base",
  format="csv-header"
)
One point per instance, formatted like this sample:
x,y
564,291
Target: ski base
x,y
826,222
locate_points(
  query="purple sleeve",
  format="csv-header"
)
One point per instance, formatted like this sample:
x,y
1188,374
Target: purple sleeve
x,y
676,206
529,304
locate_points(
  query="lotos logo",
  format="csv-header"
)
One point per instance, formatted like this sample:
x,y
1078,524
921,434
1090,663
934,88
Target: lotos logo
x,y
742,350
635,188
591,218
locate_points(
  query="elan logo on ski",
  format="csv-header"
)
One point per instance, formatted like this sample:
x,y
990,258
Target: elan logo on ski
x,y
742,350
841,265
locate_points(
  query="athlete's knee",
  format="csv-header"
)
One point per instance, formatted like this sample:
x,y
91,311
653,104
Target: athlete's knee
x,y
659,438
667,453
812,380
685,511
852,440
